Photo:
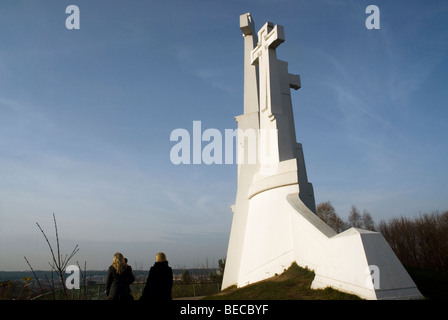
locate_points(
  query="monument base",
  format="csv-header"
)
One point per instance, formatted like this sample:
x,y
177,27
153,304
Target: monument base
x,y
355,261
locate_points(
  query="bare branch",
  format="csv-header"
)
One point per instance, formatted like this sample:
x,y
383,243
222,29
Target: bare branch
x,y
35,276
69,257
48,242
57,239
51,285
59,264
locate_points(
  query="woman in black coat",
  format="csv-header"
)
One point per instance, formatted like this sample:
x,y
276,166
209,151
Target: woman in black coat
x,y
160,280
119,278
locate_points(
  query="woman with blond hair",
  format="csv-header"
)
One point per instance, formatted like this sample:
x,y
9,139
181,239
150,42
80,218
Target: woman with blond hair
x,y
119,277
160,280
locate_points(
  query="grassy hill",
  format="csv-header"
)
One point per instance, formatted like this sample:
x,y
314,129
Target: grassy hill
x,y
293,284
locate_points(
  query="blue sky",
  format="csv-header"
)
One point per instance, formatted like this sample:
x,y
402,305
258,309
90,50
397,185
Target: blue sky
x,y
86,117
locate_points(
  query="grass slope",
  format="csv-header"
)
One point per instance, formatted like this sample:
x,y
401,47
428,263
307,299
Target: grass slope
x,y
293,284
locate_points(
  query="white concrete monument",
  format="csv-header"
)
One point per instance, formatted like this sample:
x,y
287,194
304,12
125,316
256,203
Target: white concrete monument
x,y
274,223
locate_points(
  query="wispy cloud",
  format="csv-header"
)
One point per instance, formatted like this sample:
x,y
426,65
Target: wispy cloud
x,y
216,76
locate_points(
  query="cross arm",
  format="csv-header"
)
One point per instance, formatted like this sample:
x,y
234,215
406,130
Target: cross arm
x,y
247,24
269,37
294,81
275,37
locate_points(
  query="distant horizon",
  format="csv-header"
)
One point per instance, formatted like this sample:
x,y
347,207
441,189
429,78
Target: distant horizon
x,y
144,262
175,270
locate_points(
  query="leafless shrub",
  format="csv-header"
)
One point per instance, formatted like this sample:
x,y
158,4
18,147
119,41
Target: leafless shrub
x,y
59,263
326,212
422,242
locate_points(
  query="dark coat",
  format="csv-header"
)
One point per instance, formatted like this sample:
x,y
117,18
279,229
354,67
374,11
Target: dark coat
x,y
117,285
159,283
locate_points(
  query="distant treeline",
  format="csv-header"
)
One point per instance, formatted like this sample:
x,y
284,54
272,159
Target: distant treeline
x,y
42,274
421,242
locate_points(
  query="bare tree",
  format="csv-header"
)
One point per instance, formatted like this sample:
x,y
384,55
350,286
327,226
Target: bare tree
x,y
422,242
367,221
35,276
222,265
354,218
326,212
59,263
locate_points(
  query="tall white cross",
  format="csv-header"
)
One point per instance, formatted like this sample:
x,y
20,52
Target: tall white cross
x,y
269,38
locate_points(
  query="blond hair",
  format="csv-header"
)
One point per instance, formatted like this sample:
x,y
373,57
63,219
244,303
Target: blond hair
x,y
119,263
160,257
